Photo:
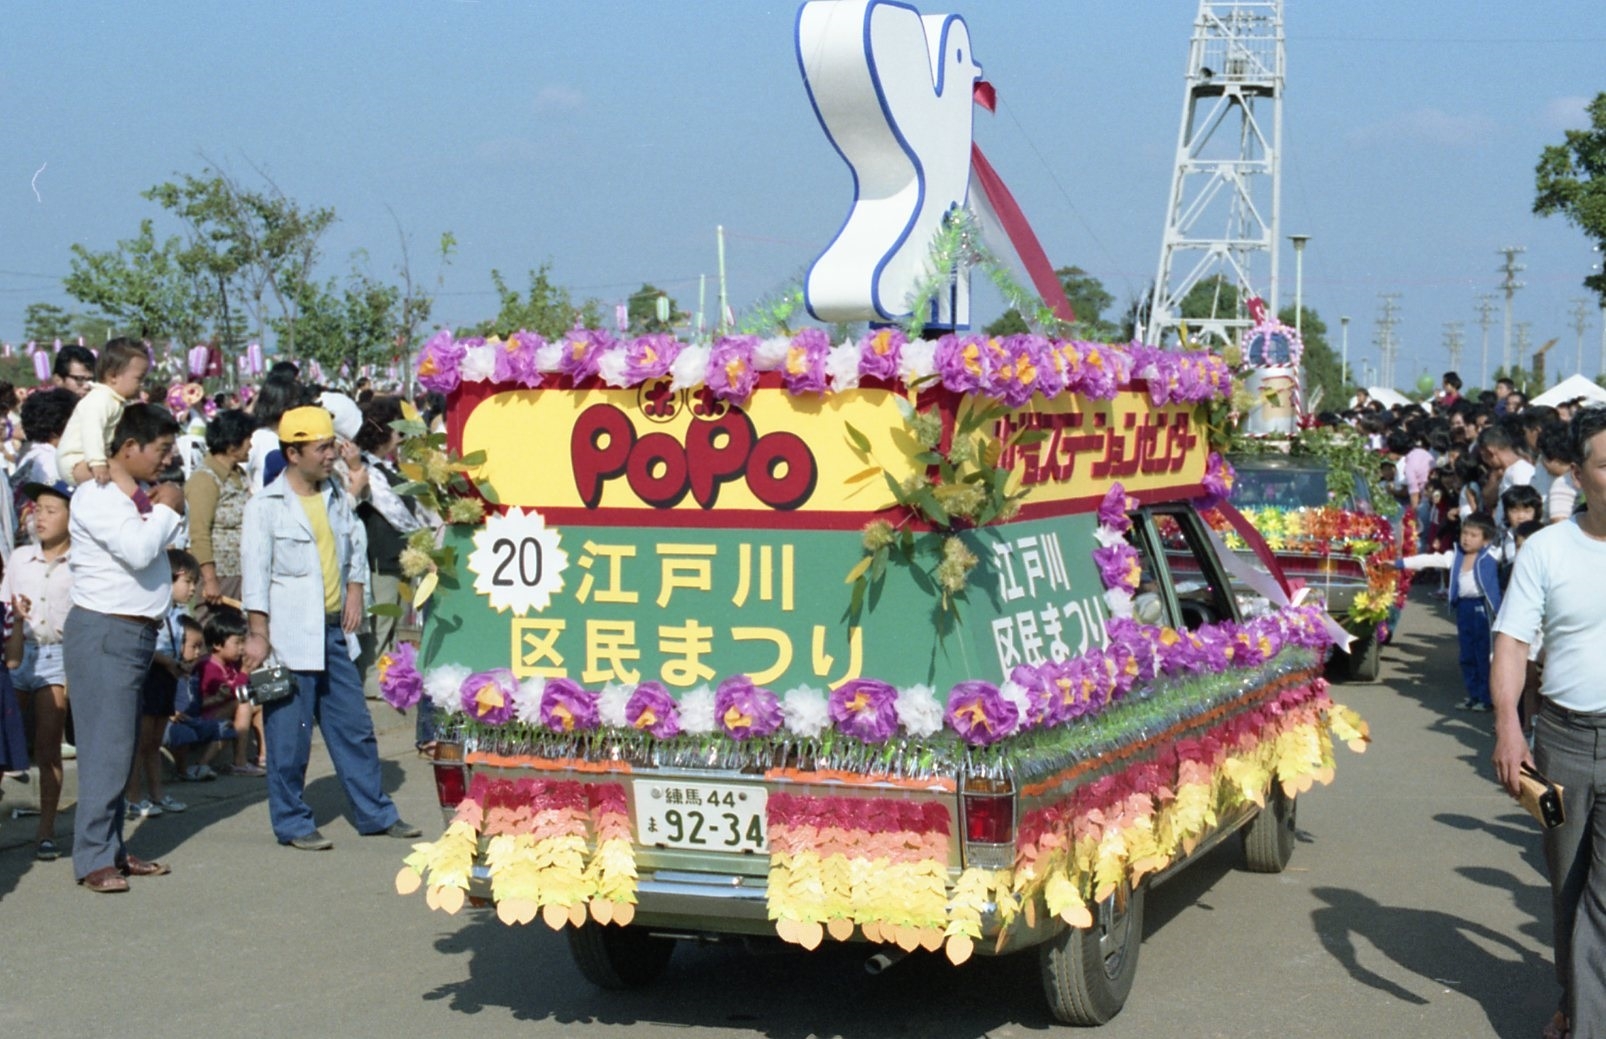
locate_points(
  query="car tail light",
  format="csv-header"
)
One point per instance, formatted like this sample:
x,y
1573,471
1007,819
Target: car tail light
x,y
989,811
451,775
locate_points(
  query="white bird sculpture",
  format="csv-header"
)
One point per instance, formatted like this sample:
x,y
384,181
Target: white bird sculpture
x,y
893,91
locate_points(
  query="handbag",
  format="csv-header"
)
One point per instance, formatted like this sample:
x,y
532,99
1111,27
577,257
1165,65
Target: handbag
x,y
271,684
1541,798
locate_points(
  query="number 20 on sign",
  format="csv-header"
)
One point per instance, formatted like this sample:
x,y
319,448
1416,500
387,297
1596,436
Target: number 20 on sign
x,y
518,562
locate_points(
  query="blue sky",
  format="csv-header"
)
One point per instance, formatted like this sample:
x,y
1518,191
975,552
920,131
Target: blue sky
x,y
611,138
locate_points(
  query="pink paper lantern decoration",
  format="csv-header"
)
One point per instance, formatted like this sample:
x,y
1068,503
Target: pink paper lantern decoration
x,y
41,365
198,357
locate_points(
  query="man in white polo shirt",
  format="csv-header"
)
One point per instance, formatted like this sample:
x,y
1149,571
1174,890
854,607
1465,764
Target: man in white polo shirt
x,y
121,589
1555,590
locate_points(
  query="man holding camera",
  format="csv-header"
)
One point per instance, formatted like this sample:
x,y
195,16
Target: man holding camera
x,y
304,568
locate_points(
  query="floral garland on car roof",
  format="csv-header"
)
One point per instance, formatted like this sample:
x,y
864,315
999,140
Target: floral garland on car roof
x,y
1008,369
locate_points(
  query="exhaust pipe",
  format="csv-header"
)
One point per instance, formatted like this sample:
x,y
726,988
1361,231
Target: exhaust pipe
x,y
878,963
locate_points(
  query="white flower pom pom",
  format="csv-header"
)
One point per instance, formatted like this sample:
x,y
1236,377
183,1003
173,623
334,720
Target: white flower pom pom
x,y
842,366
770,355
918,711
1016,694
548,356
806,710
611,366
917,360
444,687
689,370
1108,536
697,711
479,363
1120,602
527,701
611,704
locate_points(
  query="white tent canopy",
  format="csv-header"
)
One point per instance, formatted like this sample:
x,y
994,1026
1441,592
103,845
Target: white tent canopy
x,y
1387,397
1572,388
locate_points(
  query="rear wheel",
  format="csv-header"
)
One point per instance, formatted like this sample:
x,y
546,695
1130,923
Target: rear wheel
x,y
1087,973
1269,838
1364,661
618,957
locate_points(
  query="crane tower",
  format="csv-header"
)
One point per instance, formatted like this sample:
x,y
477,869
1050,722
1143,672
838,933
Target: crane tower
x,y
1226,186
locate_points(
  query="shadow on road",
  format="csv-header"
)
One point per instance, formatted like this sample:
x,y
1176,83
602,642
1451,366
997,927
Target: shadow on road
x,y
1514,986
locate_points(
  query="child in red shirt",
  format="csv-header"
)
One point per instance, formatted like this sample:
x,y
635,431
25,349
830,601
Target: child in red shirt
x,y
224,686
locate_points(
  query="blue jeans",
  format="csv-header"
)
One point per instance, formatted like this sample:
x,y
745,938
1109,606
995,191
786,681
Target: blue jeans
x,y
1472,628
333,699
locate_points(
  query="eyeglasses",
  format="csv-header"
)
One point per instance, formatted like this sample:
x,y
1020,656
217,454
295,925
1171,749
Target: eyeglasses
x,y
79,379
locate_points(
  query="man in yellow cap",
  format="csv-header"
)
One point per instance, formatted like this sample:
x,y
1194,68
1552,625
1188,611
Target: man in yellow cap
x,y
304,570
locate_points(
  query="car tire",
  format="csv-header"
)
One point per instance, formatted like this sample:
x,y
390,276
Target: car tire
x,y
1269,838
1088,972
616,958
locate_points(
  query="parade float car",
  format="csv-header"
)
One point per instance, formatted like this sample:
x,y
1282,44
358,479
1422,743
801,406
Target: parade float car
x,y
1320,525
917,644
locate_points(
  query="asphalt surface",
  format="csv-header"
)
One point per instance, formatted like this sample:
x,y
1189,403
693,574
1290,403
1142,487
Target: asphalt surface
x,y
1415,905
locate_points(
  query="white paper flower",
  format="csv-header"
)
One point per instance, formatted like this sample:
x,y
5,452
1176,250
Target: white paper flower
x,y
1016,694
611,365
697,711
917,360
771,353
807,711
611,704
479,363
444,685
1108,536
918,711
527,701
1120,602
548,356
842,366
689,370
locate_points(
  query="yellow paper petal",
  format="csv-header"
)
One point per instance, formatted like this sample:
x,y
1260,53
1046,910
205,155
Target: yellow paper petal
x,y
554,916
623,913
577,914
452,900
959,948
426,588
931,938
507,911
601,910
432,896
841,928
407,881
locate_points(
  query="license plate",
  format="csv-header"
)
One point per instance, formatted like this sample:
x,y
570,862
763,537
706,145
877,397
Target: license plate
x,y
700,816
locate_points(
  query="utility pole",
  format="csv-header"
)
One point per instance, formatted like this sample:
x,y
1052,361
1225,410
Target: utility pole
x,y
1523,328
1299,241
1486,321
1343,364
1452,343
1510,286
1384,339
1580,322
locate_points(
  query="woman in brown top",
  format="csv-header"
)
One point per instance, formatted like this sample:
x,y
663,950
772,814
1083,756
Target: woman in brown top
x,y
215,496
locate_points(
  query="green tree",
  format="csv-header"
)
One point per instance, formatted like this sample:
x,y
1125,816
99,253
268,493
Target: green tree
x,y
546,309
46,322
1214,297
642,308
350,324
1570,180
145,286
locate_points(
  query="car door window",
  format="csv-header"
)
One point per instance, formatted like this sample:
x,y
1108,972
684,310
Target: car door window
x,y
1200,586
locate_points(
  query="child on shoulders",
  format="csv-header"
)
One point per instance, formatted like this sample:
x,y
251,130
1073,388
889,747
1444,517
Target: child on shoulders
x,y
119,371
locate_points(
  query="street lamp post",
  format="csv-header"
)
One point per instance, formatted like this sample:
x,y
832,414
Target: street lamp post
x,y
1343,364
1299,241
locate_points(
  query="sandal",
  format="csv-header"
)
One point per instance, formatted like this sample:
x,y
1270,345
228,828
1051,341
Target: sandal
x,y
1556,1027
46,851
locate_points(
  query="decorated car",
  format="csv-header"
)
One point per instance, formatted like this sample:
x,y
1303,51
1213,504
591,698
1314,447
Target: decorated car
x,y
915,639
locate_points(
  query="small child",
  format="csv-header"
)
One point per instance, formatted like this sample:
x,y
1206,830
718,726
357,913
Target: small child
x,y
1475,596
81,454
172,661
1520,504
223,683
187,729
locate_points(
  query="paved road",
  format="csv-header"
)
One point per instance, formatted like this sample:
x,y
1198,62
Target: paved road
x,y
1414,906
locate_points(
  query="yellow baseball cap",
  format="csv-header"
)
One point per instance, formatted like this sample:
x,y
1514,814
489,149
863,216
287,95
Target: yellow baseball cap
x,y
306,426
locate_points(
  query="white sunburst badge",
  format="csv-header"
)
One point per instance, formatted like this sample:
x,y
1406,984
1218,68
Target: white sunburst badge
x,y
518,562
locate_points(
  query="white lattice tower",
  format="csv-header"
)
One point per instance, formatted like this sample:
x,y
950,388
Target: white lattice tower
x,y
1226,185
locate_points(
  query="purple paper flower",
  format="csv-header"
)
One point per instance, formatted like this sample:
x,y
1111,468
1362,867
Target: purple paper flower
x,y
651,709
440,363
980,714
1023,362
1040,691
487,696
566,707
649,357
1139,640
1218,479
964,363
515,360
731,375
803,371
582,350
399,681
1119,566
1099,373
1114,508
743,710
865,709
879,353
